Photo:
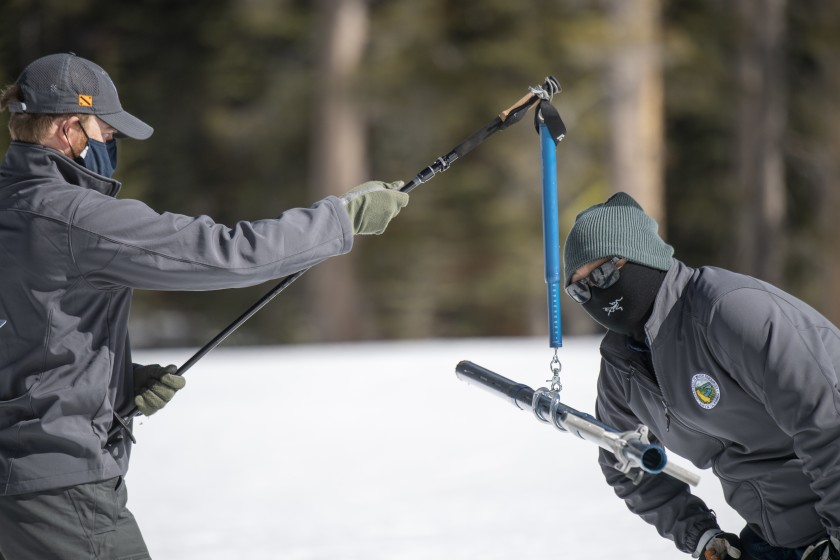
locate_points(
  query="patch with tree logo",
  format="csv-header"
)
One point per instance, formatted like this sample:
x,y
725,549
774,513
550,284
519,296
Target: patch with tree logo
x,y
706,390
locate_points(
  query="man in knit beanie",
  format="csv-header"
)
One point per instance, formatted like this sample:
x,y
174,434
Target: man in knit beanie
x,y
727,371
617,228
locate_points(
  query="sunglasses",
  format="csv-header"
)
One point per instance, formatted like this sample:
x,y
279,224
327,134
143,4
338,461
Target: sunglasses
x,y
602,277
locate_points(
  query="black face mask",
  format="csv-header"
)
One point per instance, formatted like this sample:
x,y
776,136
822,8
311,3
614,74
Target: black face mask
x,y
626,306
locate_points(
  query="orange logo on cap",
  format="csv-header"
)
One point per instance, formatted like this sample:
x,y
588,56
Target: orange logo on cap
x,y
85,100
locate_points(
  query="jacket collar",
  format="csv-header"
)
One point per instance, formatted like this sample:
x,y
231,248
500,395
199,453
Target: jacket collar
x,y
25,161
671,290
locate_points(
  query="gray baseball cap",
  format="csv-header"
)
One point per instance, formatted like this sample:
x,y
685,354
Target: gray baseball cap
x,y
66,83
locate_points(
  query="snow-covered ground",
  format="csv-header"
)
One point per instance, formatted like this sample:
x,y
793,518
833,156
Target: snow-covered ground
x,y
376,451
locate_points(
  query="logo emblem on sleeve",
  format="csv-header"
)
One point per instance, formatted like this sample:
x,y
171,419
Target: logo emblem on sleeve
x,y
706,390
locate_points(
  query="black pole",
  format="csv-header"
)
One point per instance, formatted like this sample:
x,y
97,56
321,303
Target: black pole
x,y
509,116
521,395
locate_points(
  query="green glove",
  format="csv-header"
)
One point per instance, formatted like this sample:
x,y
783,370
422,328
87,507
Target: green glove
x,y
373,204
154,386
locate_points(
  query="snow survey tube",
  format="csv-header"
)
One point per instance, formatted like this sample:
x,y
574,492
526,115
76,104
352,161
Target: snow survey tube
x,y
631,449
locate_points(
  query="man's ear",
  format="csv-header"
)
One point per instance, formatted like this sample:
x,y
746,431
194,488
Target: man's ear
x,y
62,135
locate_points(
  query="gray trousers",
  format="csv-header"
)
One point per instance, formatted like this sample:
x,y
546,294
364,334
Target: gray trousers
x,y
81,522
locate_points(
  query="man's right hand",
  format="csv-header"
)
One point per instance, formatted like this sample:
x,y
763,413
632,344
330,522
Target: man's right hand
x,y
372,205
722,546
823,550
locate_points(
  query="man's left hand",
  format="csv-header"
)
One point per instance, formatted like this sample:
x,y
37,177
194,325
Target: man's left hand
x,y
154,386
826,549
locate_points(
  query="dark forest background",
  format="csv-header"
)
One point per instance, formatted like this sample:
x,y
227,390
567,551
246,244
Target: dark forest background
x,y
720,116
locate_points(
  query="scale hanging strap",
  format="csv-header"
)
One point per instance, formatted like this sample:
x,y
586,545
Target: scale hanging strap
x,y
547,114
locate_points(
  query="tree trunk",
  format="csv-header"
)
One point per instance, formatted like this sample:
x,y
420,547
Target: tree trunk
x,y
635,93
761,103
338,158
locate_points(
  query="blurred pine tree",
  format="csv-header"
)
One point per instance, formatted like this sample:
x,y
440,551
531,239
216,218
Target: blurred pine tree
x,y
229,87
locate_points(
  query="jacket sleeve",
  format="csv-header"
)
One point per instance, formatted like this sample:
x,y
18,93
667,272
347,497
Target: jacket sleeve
x,y
663,501
786,355
118,242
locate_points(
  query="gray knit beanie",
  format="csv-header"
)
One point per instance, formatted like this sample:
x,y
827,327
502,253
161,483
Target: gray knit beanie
x,y
618,227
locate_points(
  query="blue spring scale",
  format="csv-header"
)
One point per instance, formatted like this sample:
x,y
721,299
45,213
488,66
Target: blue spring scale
x,y
551,235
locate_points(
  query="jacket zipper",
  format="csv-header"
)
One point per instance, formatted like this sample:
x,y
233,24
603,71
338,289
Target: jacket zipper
x,y
647,385
669,415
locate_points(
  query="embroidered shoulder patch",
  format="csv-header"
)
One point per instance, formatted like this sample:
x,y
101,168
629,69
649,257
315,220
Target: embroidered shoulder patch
x,y
706,390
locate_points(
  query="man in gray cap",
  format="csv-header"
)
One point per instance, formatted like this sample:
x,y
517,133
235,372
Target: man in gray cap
x,y
71,254
727,371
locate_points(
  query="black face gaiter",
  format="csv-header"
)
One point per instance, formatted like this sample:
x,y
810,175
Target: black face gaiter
x,y
626,306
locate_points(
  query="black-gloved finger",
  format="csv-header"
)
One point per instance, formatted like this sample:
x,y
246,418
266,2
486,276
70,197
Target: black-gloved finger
x,y
142,375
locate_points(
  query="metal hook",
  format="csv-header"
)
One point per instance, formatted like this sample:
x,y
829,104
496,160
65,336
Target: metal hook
x,y
553,411
552,85
555,366
535,400
540,92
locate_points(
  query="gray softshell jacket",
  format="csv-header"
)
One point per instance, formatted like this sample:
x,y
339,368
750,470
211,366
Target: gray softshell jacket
x,y
741,378
70,255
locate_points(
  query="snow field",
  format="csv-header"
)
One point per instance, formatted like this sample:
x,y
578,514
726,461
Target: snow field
x,y
376,451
